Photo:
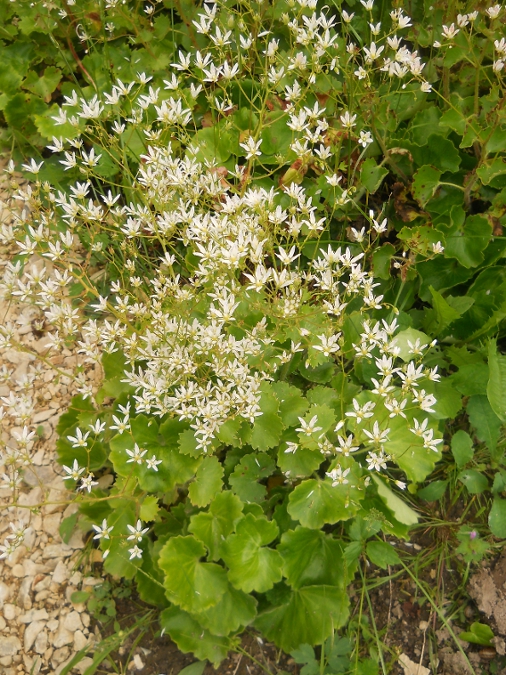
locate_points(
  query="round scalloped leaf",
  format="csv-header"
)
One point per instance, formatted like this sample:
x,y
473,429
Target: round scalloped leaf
x,y
311,557
189,583
208,481
309,617
213,527
234,611
189,636
315,503
252,567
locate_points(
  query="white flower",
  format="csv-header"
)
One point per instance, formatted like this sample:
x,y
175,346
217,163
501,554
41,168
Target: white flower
x,y
252,147
309,428
376,435
377,461
338,476
347,17
449,32
153,463
33,167
136,533
136,455
135,552
73,472
361,413
87,483
347,120
365,139
79,440
493,12
102,531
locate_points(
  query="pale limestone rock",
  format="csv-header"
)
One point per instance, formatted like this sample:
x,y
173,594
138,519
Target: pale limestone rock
x,y
73,622
10,645
41,642
33,615
80,640
31,632
61,573
62,637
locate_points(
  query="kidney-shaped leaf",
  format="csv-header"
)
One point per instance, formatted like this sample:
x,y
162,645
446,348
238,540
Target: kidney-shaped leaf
x,y
252,567
189,583
309,617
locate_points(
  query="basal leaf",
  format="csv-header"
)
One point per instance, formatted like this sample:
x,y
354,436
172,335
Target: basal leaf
x,y
208,481
192,585
213,527
235,610
484,420
311,557
425,183
402,512
292,404
252,468
496,387
190,636
252,566
475,482
410,335
310,616
497,518
462,448
371,175
315,503
382,554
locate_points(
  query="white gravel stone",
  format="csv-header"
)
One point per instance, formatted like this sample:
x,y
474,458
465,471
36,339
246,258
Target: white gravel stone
x,y
10,612
80,640
63,637
73,622
5,593
61,573
51,524
34,615
40,645
31,632
10,645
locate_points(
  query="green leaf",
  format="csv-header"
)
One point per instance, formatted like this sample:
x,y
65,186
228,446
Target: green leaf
x,y
490,169
311,557
467,244
43,85
252,567
445,313
208,481
381,260
292,403
267,431
480,634
402,512
149,508
189,636
144,430
79,597
213,527
67,527
433,491
425,184
497,518
326,420
315,503
301,463
382,554
462,448
484,420
475,482
470,379
114,366
371,175
235,610
496,388
251,468
425,124
310,616
189,583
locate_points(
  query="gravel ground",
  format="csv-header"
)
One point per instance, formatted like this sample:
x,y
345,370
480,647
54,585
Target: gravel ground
x,y
40,628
